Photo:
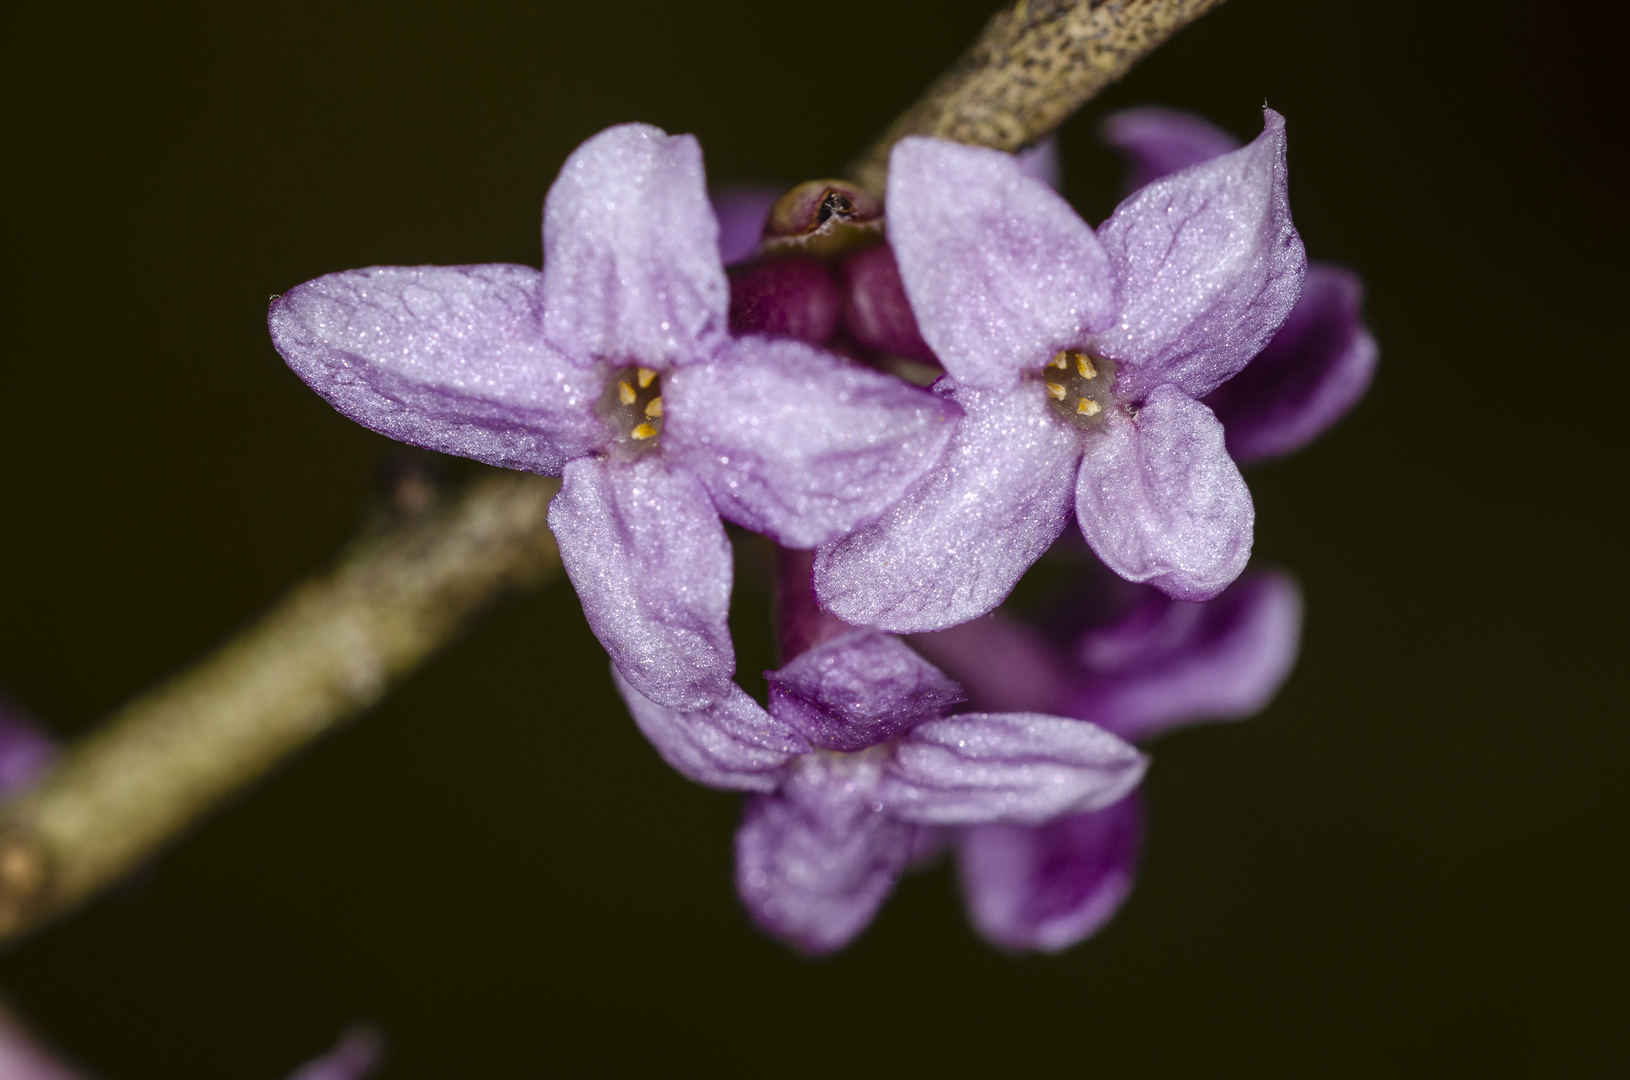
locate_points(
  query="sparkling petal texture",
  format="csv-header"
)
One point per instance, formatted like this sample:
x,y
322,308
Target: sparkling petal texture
x,y
740,210
858,690
1313,371
1021,768
954,548
652,567
797,443
451,358
732,744
1048,887
876,311
813,865
1169,663
1157,142
1160,500
1207,266
1003,664
631,268
1000,271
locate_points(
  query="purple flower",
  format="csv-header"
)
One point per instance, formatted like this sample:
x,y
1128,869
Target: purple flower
x,y
1322,360
26,751
853,768
1162,665
613,367
1079,360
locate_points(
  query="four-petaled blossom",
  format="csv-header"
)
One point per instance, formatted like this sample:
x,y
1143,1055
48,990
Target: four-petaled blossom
x,y
613,368
854,765
1079,360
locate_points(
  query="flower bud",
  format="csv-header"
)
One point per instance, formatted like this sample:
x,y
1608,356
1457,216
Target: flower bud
x,y
790,294
824,217
876,313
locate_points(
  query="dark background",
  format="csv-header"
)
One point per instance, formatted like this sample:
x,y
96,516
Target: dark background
x,y
1412,864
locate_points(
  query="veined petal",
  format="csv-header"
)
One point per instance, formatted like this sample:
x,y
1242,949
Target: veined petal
x,y
1313,371
1160,500
797,443
652,567
631,267
1207,266
859,690
958,543
1047,887
1026,768
1157,142
1000,270
1170,662
451,358
732,743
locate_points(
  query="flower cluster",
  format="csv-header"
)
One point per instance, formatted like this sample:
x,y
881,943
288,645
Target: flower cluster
x,y
910,396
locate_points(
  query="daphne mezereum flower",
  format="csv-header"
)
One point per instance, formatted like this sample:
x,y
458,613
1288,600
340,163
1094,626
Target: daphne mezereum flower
x,y
613,368
854,765
26,751
1322,360
1164,664
1079,360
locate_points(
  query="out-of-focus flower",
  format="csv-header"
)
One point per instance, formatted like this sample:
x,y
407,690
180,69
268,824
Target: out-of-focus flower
x,y
26,751
1321,361
613,367
359,1051
854,765
1079,360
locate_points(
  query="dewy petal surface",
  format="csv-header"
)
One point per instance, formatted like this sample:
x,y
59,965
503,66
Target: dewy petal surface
x,y
1168,663
1315,369
1157,142
732,744
1207,266
1047,887
1025,768
797,443
1159,499
1000,270
956,545
652,567
451,358
858,690
631,267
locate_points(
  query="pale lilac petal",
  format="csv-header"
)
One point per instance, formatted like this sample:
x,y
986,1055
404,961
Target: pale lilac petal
x,y
1160,500
1169,662
813,865
24,1057
1024,768
1004,664
1047,887
797,443
1207,266
956,546
732,744
1041,162
451,358
740,210
876,312
791,295
1000,271
1157,142
859,690
359,1052
652,567
26,751
1313,371
631,268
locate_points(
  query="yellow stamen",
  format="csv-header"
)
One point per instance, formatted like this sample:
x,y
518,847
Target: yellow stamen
x,y
1084,366
645,375
625,393
1088,407
653,407
1058,362
1056,391
644,431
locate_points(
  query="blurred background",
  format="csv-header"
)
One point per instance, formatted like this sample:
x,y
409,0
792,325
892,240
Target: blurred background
x,y
1413,863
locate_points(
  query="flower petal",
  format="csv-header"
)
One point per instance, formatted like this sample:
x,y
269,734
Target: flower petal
x,y
1207,266
359,1051
1048,887
1313,371
797,443
631,268
740,210
1160,500
652,567
1026,768
859,690
1000,271
1169,662
958,543
1004,664
732,743
26,751
1157,142
451,358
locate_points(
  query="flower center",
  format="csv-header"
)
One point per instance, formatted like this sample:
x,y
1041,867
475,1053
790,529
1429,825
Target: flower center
x,y
1078,386
632,407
